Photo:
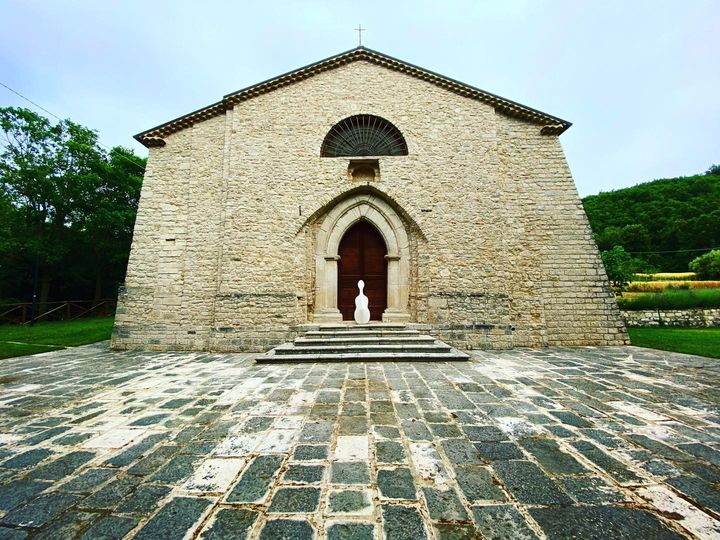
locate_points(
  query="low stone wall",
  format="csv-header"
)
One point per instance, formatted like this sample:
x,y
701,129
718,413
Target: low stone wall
x,y
672,317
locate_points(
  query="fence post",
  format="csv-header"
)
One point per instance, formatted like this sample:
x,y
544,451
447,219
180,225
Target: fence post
x,y
35,286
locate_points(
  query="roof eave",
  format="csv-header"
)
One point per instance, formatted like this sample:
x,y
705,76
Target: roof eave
x,y
551,125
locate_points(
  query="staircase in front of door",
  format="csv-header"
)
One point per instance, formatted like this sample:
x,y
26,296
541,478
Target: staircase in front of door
x,y
373,342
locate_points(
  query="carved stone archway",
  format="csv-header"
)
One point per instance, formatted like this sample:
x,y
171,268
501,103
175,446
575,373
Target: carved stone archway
x,y
386,220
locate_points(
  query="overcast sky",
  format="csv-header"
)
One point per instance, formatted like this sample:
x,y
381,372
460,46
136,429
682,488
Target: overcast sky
x,y
640,80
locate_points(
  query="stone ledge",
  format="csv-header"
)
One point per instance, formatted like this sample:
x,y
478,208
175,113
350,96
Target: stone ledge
x,y
694,318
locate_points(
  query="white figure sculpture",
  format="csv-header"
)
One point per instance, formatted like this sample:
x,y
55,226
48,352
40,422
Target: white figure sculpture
x,y
362,313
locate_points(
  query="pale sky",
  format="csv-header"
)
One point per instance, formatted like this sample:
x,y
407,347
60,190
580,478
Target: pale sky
x,y
639,80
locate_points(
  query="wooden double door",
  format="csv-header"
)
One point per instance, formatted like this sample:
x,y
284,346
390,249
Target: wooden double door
x,y
362,256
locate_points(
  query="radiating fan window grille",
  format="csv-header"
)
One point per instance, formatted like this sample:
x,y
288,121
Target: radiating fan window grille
x,y
364,135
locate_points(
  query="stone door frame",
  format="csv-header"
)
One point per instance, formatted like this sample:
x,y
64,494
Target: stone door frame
x,y
338,220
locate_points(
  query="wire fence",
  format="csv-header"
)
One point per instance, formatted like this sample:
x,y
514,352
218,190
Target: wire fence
x,y
66,310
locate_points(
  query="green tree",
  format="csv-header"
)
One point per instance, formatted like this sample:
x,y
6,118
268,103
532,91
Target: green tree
x,y
619,266
109,216
47,171
633,237
12,257
66,203
707,266
608,237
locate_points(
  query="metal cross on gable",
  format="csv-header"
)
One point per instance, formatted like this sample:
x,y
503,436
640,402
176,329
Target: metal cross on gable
x,y
360,30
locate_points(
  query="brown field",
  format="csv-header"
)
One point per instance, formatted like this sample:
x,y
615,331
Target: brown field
x,y
662,276
660,286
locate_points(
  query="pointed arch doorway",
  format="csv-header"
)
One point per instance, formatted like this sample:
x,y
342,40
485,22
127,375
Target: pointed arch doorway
x,y
368,205
362,254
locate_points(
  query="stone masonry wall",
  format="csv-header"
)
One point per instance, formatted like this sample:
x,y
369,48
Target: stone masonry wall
x,y
223,255
168,300
693,318
563,270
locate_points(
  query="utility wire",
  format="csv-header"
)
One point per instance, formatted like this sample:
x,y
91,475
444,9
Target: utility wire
x,y
61,119
673,251
30,101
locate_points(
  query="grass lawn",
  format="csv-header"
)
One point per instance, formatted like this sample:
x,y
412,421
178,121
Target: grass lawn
x,y
19,340
671,299
700,341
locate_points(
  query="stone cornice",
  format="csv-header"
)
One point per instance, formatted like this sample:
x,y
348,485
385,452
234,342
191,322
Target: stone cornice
x,y
551,125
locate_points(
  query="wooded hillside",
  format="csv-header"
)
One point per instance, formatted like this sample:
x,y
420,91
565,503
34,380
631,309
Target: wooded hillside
x,y
671,215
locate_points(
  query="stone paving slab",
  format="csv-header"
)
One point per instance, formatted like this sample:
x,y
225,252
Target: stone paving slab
x,y
550,443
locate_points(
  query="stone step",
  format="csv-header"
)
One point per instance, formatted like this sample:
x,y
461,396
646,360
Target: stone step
x,y
351,340
453,355
363,348
361,333
365,327
375,342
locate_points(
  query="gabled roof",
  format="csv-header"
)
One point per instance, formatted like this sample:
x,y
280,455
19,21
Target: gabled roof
x,y
551,125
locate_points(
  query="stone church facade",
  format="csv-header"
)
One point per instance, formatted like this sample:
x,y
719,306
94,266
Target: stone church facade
x,y
259,212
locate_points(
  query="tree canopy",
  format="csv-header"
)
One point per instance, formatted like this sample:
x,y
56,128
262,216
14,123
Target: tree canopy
x,y
619,266
707,266
65,203
666,223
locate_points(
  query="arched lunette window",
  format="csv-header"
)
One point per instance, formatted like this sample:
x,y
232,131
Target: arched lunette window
x,y
364,135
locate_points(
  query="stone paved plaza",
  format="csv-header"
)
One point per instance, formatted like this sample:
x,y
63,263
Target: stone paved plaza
x,y
554,443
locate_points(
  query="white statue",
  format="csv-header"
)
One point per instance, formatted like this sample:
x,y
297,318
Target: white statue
x,y
362,313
